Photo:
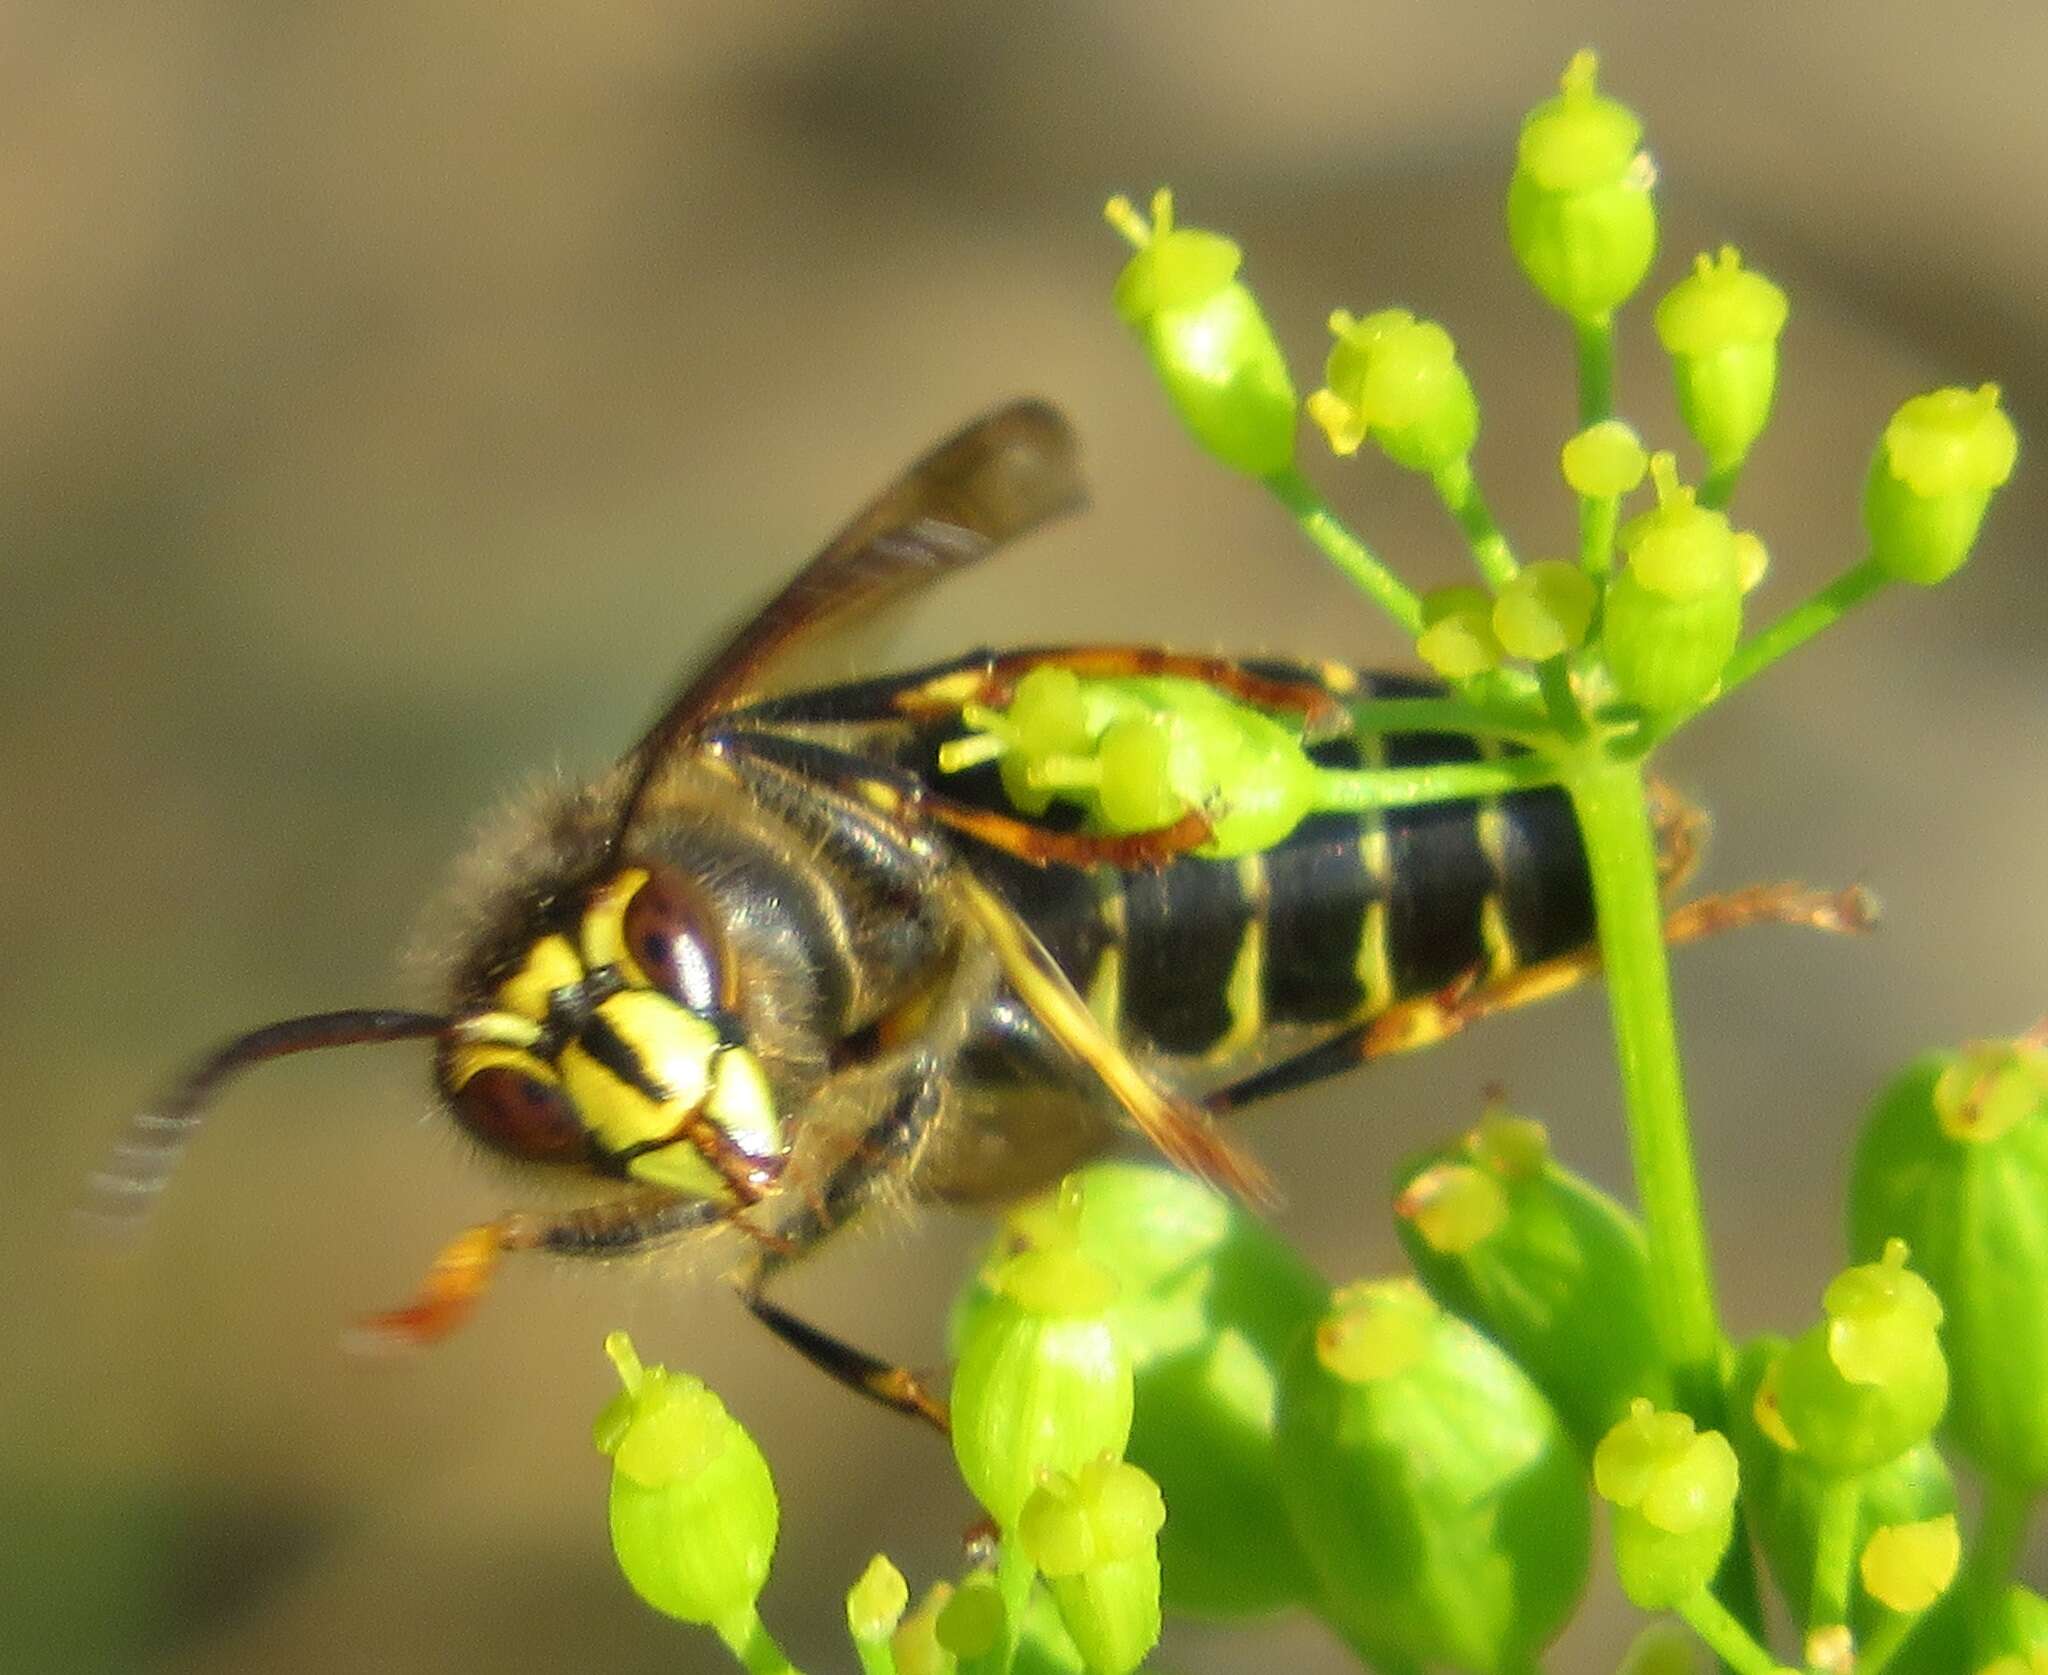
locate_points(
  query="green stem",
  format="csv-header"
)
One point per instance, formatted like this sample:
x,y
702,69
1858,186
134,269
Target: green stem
x,y
1719,487
1345,550
1362,790
1014,1575
748,1639
1802,622
1596,370
1612,804
2001,1534
1448,715
1727,1639
1881,1645
877,1657
1459,491
1599,516
1834,1552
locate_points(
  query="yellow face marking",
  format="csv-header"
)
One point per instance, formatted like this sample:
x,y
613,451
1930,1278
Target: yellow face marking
x,y
604,924
676,1048
1244,992
472,1056
550,964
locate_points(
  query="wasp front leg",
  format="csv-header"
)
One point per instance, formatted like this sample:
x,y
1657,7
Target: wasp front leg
x,y
464,1268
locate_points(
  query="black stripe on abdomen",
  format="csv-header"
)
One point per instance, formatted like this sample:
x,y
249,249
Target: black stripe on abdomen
x,y
1547,894
1183,928
1439,875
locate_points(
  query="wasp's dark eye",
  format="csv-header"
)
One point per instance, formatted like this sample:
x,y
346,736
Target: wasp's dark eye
x,y
672,937
520,1115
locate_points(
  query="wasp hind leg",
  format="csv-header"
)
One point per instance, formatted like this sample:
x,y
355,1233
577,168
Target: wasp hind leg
x,y
1431,1018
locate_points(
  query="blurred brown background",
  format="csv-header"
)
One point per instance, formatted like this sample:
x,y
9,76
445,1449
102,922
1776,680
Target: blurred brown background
x,y
393,397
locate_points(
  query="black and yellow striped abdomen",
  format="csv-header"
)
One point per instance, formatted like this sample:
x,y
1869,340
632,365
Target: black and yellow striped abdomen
x,y
1347,917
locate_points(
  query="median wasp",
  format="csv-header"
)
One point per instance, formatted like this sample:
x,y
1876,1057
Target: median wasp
x,y
776,965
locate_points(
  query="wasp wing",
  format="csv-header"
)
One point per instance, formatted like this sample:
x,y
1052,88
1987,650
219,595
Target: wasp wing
x,y
999,478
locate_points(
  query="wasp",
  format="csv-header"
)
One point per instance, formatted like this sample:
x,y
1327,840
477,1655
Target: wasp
x,y
774,965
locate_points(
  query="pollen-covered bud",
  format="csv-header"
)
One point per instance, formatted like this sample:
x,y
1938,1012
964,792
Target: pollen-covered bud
x,y
1604,461
1545,611
1209,1302
1095,1538
1674,614
1907,1567
1871,1382
1208,341
1673,1490
693,1509
1457,638
1940,460
1720,325
1431,1485
1043,1384
1954,1160
1580,216
1543,1262
1782,1491
1397,380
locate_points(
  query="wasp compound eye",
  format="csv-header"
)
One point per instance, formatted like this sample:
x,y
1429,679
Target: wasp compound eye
x,y
517,1111
672,938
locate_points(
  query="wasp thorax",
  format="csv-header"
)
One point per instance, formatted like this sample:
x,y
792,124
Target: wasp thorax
x,y
612,1042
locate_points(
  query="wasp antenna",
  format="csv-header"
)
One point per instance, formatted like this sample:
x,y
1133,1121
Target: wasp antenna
x,y
118,1196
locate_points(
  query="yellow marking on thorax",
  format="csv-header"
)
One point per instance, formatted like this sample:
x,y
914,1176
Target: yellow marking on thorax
x,y
1374,966
1244,993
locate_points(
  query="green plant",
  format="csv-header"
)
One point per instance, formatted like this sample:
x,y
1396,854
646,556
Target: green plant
x,y
1414,1459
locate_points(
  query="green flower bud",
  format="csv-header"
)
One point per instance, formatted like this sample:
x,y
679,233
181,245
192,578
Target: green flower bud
x,y
1673,1491
2013,1637
1674,615
1544,1263
1782,1490
915,1645
1431,1486
1580,216
1042,1383
693,1509
1095,1537
970,1624
1210,345
1209,1302
1871,1382
1545,611
1396,379
1954,1159
1661,1649
1604,461
1907,1567
1457,638
876,1603
1936,468
1720,326
1045,1647
1752,560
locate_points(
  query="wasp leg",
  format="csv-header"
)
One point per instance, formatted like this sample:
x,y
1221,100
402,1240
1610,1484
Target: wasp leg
x,y
462,1271
1430,1018
906,798
877,1155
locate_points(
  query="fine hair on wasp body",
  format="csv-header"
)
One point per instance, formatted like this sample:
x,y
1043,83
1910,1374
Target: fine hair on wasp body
x,y
778,962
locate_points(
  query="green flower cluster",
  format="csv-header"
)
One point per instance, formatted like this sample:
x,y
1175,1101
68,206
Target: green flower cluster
x,y
1161,1407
